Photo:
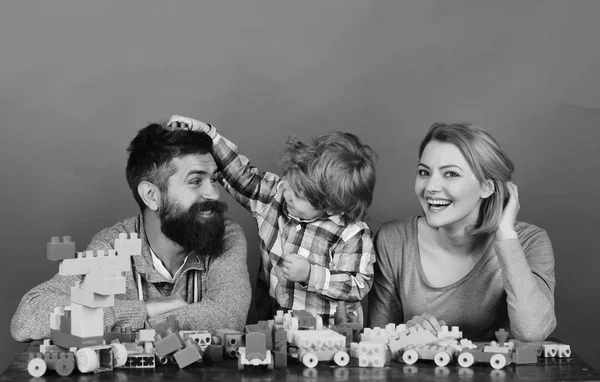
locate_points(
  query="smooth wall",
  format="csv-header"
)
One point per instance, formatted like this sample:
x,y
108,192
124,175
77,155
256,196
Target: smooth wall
x,y
79,78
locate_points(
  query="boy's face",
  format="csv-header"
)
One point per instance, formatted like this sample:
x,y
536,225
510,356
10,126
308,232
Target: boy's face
x,y
297,205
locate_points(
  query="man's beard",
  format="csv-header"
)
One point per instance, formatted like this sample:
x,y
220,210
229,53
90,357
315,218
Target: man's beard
x,y
192,231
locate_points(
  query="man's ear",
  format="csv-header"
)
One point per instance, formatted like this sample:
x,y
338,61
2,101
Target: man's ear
x,y
150,194
488,188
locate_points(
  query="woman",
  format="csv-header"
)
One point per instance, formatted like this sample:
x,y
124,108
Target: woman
x,y
465,261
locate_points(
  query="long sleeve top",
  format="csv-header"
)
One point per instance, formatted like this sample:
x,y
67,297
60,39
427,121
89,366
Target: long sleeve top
x,y
341,255
222,288
512,284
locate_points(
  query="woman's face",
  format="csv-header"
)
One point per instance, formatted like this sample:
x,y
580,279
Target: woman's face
x,y
447,188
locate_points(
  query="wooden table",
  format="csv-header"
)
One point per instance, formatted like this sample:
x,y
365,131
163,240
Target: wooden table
x,y
552,369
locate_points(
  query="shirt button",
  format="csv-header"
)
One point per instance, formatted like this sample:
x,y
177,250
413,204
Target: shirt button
x,y
298,227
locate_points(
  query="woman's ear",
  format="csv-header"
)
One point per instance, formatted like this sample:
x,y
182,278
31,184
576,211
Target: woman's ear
x,y
149,194
488,188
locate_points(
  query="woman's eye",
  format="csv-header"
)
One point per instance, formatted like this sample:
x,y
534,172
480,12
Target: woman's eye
x,y
422,172
451,174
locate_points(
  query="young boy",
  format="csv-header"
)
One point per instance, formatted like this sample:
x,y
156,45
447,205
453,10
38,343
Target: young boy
x,y
315,248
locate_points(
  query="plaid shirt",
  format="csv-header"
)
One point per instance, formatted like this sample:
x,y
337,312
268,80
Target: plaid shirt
x,y
341,255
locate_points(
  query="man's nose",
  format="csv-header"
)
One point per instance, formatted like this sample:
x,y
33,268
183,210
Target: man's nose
x,y
210,192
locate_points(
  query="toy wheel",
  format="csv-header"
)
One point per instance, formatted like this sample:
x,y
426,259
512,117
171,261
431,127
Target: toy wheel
x,y
64,367
466,359
319,325
341,358
410,356
498,361
442,358
87,360
310,360
163,360
119,353
36,367
240,364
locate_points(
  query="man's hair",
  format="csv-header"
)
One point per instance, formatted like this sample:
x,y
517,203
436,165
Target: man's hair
x,y
335,173
151,153
487,161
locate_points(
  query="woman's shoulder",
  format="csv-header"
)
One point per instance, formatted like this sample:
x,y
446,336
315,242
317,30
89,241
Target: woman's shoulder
x,y
530,233
404,229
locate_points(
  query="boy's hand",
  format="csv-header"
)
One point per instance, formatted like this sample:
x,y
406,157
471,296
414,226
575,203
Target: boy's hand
x,y
296,268
180,122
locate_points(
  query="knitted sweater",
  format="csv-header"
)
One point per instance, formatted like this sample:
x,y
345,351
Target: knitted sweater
x,y
223,288
512,285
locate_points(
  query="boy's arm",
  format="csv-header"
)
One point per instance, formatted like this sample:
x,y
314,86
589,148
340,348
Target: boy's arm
x,y
251,187
352,276
226,298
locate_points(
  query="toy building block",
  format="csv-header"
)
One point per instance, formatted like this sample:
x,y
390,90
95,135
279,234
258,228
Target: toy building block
x,y
57,250
169,323
65,321
90,299
66,340
231,341
279,339
189,354
131,246
307,320
46,346
255,352
213,353
319,345
62,362
371,354
86,322
146,335
412,336
119,354
346,332
123,334
497,360
278,319
94,358
55,318
264,328
563,351
441,355
140,361
86,262
168,344
343,319
104,282
525,355
445,333
279,359
379,335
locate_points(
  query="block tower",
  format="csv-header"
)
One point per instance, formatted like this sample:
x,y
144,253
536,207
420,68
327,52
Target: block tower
x,y
82,323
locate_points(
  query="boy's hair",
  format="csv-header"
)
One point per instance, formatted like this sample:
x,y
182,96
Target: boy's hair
x,y
151,153
487,161
335,173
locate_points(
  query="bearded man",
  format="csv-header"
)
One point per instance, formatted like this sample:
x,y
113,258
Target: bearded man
x,y
193,262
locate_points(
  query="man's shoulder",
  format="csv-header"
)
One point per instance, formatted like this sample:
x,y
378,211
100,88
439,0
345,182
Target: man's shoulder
x,y
105,239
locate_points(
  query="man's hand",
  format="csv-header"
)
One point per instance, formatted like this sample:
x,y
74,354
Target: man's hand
x,y
427,322
296,268
180,122
164,305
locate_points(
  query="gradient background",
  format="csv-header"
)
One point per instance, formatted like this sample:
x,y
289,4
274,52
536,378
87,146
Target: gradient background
x,y
79,78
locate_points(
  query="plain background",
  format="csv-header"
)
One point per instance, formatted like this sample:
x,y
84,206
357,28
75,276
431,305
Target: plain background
x,y
79,78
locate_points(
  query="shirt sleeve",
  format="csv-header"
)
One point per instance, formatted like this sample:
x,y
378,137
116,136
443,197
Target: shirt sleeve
x,y
226,298
248,185
528,273
351,277
385,305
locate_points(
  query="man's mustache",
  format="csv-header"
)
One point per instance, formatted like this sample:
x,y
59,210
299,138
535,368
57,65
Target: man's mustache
x,y
212,206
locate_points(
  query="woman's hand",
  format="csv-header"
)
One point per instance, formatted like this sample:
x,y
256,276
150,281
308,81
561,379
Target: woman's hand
x,y
426,322
506,228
